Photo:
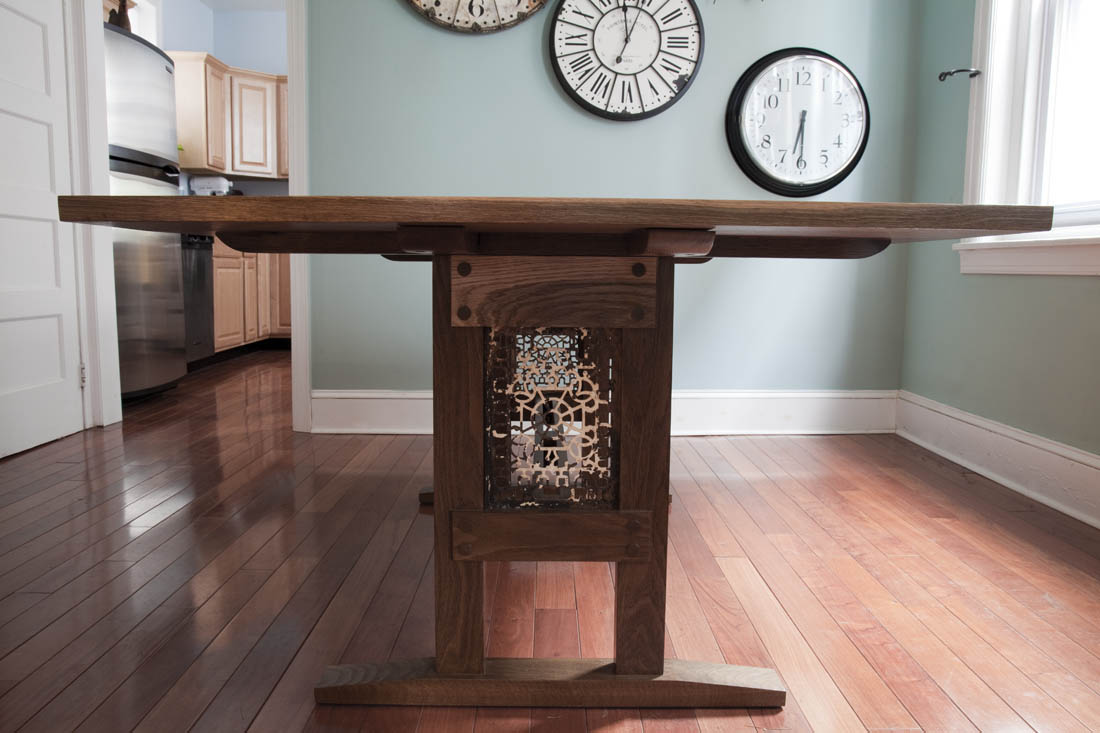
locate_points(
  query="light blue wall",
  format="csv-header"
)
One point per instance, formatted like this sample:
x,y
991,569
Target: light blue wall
x,y
254,40
1022,350
247,39
398,106
188,26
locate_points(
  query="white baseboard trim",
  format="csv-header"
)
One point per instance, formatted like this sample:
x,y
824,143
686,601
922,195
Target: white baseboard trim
x,y
694,412
372,411
1052,473
749,412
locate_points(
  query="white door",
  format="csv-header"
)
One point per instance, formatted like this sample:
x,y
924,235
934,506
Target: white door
x,y
40,396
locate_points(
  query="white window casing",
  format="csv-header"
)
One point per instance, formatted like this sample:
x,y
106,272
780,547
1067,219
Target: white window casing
x,y
1009,141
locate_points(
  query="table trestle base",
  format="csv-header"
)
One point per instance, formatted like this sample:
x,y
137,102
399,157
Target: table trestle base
x,y
552,413
562,683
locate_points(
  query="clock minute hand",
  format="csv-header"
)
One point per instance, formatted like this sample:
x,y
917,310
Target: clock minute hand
x,y
629,32
800,139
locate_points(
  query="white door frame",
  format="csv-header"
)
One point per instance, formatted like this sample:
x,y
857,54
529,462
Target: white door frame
x,y
298,140
85,69
94,249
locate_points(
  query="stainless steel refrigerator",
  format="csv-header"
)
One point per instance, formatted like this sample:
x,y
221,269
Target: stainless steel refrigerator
x,y
144,160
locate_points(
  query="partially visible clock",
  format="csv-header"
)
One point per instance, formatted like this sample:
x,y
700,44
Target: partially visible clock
x,y
797,122
477,16
626,59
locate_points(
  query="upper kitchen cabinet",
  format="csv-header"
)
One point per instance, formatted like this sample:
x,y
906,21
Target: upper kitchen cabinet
x,y
253,123
280,122
230,121
202,111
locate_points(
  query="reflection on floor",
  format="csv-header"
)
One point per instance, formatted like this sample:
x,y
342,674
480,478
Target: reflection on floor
x,y
199,565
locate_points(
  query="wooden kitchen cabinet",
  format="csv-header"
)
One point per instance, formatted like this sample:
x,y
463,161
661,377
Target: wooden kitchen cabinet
x,y
263,294
280,294
229,120
283,145
251,312
202,111
246,288
229,325
252,114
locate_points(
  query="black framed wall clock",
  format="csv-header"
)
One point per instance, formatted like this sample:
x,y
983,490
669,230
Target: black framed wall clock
x,y
626,59
797,122
477,16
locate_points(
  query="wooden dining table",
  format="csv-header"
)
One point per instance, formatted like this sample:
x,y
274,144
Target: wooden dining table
x,y
552,385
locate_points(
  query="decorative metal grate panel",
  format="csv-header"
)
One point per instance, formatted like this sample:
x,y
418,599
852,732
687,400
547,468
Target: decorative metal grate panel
x,y
551,441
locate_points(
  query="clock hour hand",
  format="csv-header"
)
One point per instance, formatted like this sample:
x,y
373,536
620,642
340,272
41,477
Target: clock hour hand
x,y
800,139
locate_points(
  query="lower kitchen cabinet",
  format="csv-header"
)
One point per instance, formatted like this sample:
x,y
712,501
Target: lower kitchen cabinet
x,y
280,294
228,302
251,313
263,294
249,296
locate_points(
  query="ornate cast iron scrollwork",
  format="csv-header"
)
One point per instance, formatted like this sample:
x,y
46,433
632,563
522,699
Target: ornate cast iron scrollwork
x,y
551,436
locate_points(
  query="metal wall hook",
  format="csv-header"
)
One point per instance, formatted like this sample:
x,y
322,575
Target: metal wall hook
x,y
970,72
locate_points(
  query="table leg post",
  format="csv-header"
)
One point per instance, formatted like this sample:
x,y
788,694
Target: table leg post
x,y
645,390
458,389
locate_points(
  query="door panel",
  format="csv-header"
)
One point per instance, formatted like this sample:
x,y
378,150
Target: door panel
x,y
263,294
215,117
228,302
251,312
281,122
280,294
253,113
40,396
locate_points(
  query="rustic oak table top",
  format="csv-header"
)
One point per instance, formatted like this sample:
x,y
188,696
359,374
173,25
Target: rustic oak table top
x,y
801,220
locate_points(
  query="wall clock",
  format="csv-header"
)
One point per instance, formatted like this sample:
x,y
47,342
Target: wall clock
x,y
626,59
477,16
797,122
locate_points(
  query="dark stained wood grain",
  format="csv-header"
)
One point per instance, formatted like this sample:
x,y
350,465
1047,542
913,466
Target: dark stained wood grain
x,y
410,240
818,248
688,246
674,242
553,683
905,222
518,292
644,381
458,387
558,536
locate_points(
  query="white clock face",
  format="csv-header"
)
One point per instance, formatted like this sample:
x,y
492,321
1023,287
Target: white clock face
x,y
477,16
803,120
626,59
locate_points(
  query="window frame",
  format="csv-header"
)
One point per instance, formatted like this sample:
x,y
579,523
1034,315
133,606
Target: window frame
x,y
1006,163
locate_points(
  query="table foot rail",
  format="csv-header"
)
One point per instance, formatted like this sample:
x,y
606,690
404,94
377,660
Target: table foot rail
x,y
572,683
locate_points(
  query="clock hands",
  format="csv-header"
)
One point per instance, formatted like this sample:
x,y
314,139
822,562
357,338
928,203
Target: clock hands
x,y
800,140
629,31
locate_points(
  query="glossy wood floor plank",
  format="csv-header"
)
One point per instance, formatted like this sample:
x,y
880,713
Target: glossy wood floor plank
x,y
198,566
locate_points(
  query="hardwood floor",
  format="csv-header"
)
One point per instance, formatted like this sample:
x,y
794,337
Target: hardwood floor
x,y
197,567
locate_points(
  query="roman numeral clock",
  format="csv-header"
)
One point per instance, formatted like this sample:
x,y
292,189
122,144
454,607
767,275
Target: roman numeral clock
x,y
626,59
477,16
